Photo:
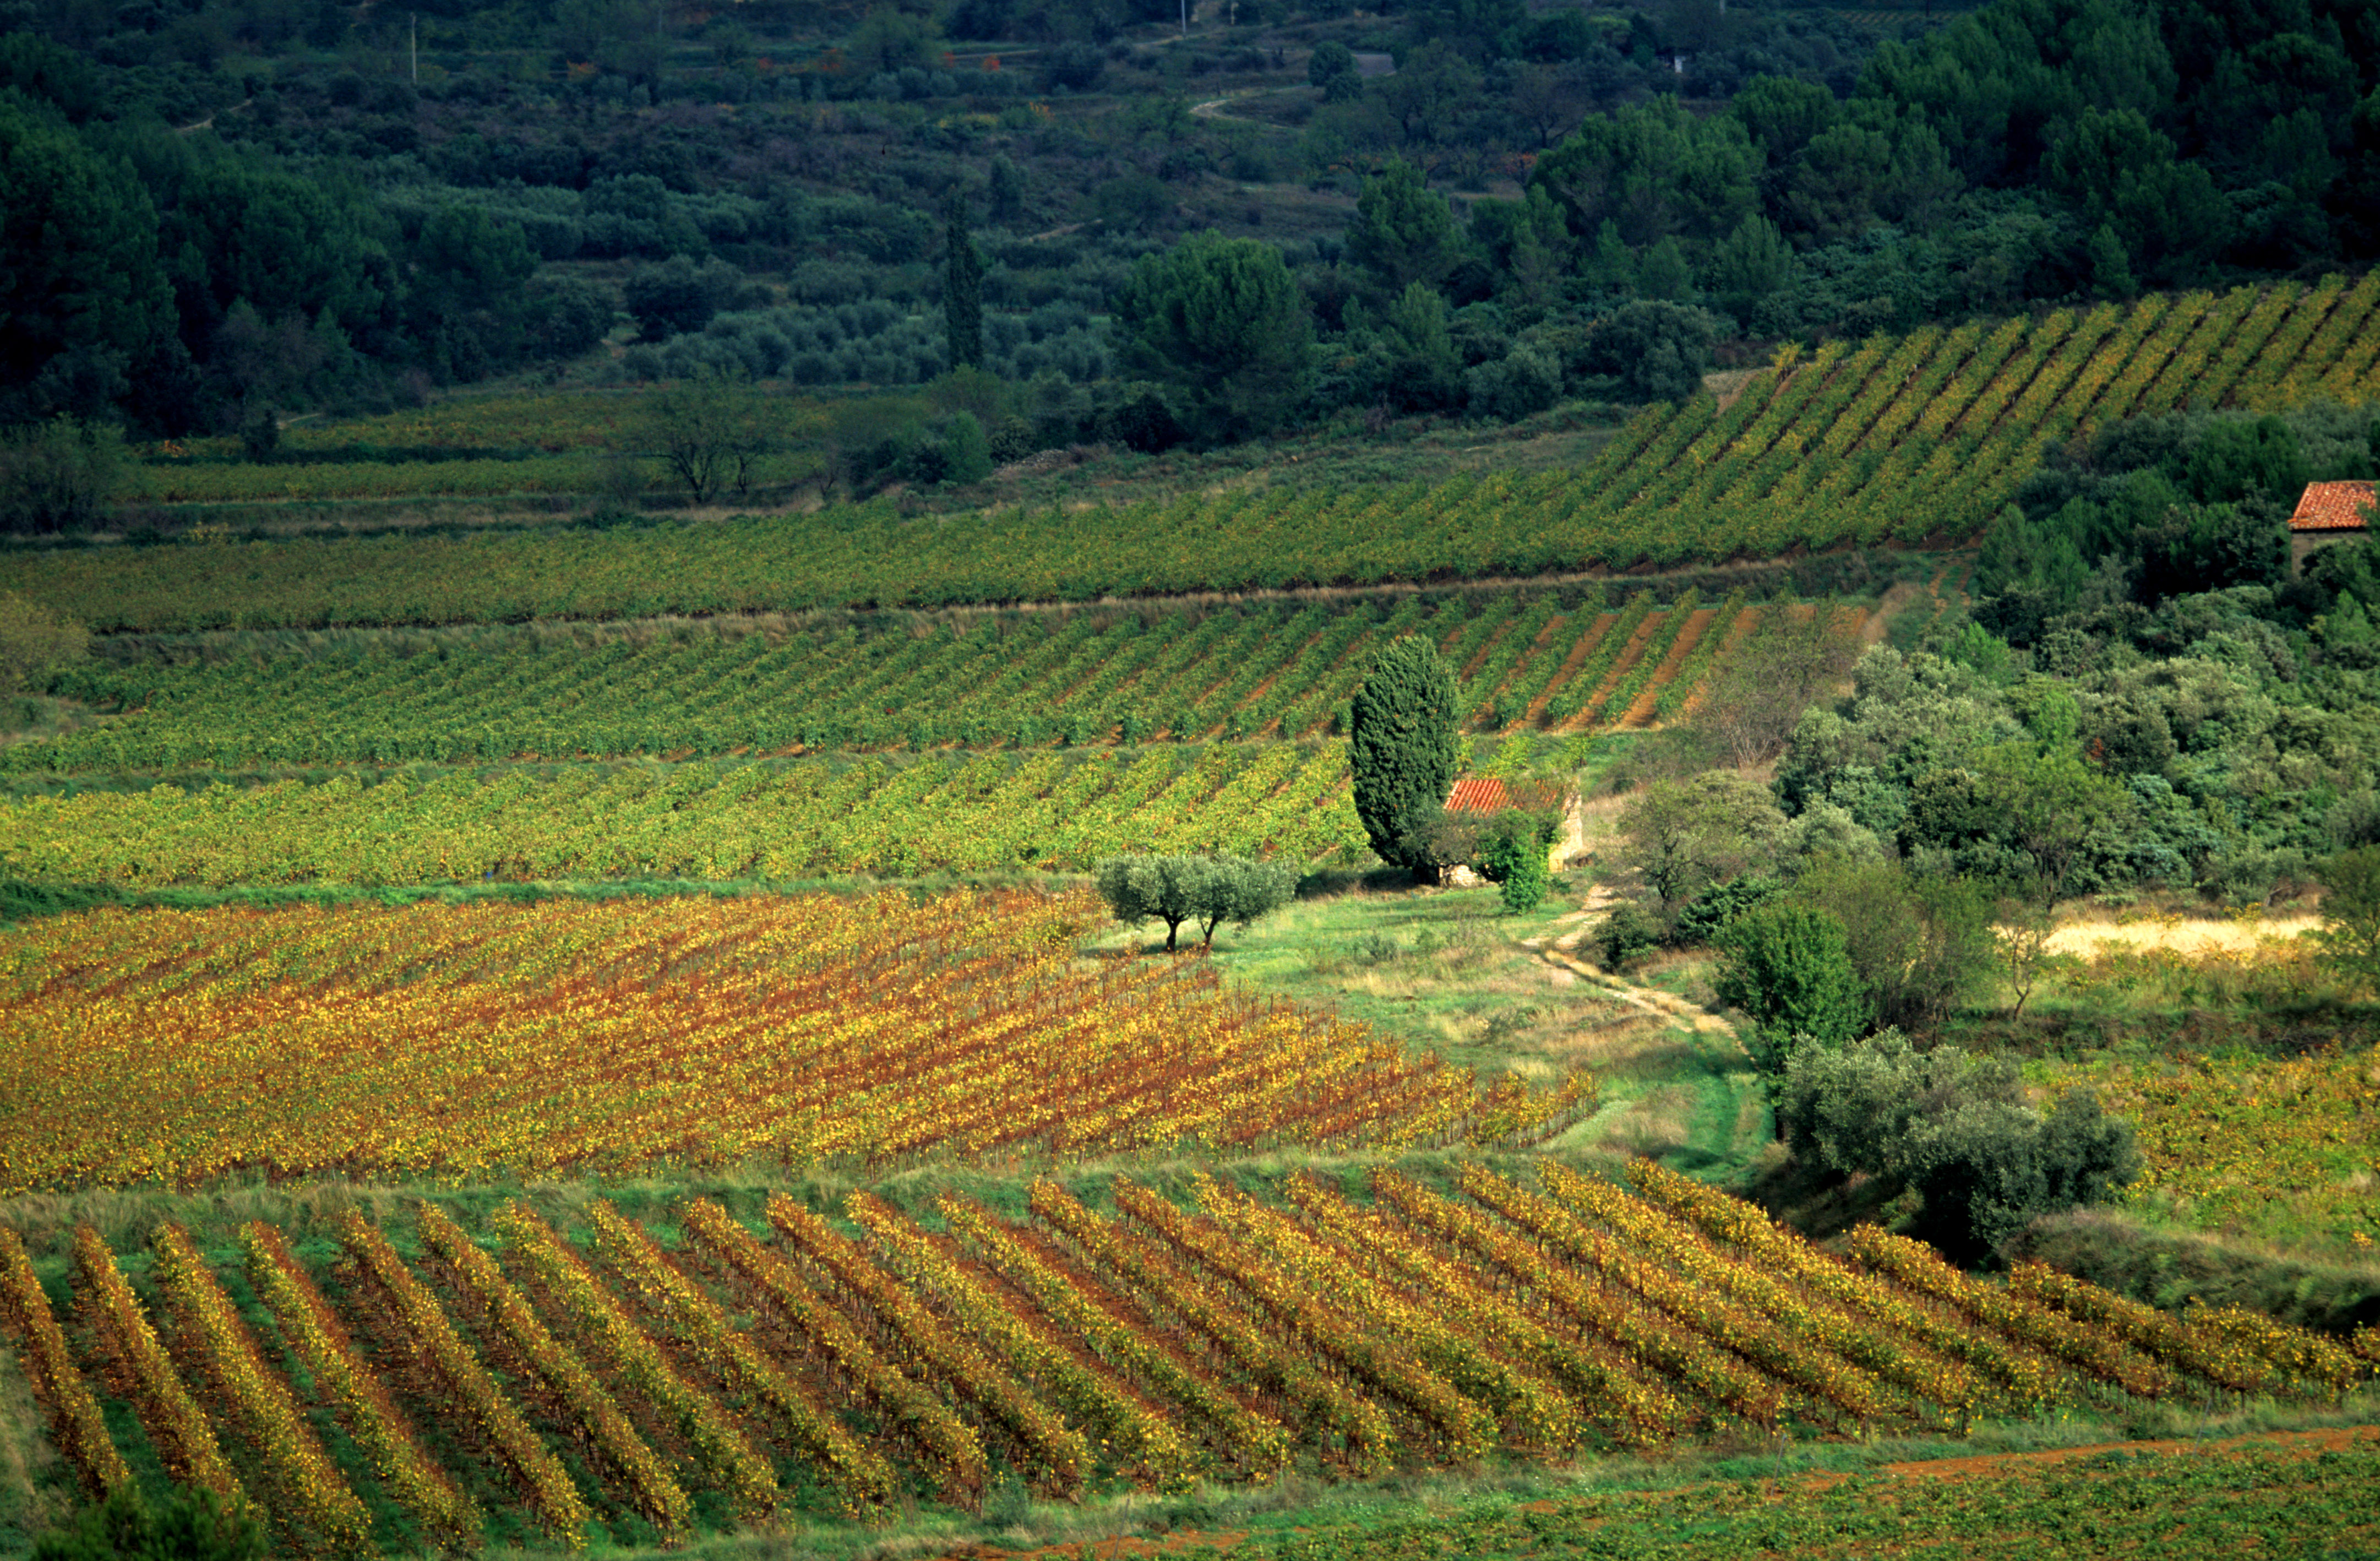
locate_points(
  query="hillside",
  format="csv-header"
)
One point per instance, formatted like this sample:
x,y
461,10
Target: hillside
x,y
1919,438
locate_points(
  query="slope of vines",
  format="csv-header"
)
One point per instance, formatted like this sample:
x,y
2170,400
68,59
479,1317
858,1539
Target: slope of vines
x,y
800,1364
1031,680
1922,437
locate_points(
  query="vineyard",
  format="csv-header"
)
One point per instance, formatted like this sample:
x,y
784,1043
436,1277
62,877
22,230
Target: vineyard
x,y
2251,1144
635,1384
1034,680
773,1031
2292,1496
1921,437
712,820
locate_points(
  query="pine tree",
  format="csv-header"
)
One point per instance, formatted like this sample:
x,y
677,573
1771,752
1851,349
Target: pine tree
x,y
1401,746
961,289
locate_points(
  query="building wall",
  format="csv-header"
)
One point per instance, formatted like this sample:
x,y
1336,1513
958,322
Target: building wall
x,y
2304,544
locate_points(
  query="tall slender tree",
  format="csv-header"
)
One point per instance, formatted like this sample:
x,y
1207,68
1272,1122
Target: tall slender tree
x,y
1402,748
962,288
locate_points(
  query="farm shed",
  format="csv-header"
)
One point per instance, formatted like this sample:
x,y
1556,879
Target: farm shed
x,y
1485,795
2327,513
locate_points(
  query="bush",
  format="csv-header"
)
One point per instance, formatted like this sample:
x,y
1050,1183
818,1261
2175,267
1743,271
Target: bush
x,y
1702,918
1788,967
1626,935
677,296
1919,942
1986,1171
2350,914
1955,1128
1510,850
35,641
58,476
193,1524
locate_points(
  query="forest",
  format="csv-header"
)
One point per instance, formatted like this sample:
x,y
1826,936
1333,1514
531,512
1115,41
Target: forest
x,y
221,214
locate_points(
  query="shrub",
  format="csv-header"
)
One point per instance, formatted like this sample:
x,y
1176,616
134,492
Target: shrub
x,y
1955,1128
35,641
1626,935
193,1524
57,475
1918,942
1788,966
1702,918
2350,914
1510,850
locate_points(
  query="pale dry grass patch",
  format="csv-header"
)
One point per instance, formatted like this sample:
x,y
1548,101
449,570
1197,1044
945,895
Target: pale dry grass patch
x,y
1657,1124
32,1496
2183,934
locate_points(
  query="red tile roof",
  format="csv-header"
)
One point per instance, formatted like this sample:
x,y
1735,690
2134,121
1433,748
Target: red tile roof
x,y
1491,794
2333,506
1478,794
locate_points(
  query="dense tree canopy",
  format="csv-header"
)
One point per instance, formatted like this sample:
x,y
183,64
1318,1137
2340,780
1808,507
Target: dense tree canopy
x,y
1222,321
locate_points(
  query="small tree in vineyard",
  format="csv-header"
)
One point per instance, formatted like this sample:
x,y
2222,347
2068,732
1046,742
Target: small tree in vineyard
x,y
1204,891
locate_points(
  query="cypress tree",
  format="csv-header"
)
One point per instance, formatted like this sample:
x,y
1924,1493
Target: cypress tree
x,y
1401,745
961,289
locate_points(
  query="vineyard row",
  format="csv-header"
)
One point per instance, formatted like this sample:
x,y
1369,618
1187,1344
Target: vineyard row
x,y
657,1035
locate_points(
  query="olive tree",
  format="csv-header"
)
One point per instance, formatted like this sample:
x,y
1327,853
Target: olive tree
x,y
711,432
1204,891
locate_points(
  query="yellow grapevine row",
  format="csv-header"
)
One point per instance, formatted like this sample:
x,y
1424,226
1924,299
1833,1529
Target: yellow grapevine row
x,y
484,1287
1127,1431
624,1351
1627,1320
77,1424
1058,1456
1757,1339
310,1493
2027,1379
1535,1412
1160,1288
183,1438
944,1443
372,1417
1461,1428
1920,1267
1630,1410
859,1477
1254,1443
434,1340
1671,1244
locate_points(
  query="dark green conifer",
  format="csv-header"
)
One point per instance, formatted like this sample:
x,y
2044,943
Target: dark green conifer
x,y
962,288
1403,747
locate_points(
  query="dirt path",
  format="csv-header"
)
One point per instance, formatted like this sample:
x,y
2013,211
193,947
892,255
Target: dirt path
x,y
1897,598
1667,1007
2330,1439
